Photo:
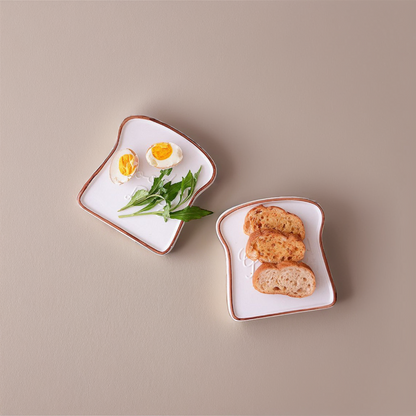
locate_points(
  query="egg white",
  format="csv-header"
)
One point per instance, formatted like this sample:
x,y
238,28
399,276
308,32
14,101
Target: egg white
x,y
171,161
115,175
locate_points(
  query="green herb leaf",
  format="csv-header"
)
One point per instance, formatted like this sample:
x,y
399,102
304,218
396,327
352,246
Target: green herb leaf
x,y
186,183
188,179
166,212
136,199
158,182
184,191
166,172
193,185
189,213
172,191
152,202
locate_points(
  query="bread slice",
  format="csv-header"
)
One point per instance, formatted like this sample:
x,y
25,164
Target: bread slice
x,y
290,278
272,246
261,217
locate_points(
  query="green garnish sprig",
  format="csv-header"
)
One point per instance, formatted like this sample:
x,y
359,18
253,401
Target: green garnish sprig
x,y
167,192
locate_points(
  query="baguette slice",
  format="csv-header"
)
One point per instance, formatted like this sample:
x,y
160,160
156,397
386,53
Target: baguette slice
x,y
296,280
272,246
261,217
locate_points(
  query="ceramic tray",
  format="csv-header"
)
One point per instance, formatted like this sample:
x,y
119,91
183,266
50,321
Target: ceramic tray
x,y
101,198
246,303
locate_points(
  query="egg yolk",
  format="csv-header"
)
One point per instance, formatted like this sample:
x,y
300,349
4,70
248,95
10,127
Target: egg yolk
x,y
126,166
161,151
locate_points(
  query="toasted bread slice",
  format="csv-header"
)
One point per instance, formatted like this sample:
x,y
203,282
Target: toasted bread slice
x,y
261,217
272,246
286,278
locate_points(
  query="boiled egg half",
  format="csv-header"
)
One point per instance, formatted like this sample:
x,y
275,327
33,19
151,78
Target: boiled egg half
x,y
164,155
123,166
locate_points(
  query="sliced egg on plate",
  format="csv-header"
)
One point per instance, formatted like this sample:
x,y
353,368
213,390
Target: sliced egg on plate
x,y
123,166
164,155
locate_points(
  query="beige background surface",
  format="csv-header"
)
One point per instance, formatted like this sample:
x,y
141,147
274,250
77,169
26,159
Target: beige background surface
x,y
314,99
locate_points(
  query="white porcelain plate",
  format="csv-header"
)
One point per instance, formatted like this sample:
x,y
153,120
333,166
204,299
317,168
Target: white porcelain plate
x,y
101,198
246,303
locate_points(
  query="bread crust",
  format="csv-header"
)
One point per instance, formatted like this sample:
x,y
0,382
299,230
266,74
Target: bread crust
x,y
294,279
261,217
272,246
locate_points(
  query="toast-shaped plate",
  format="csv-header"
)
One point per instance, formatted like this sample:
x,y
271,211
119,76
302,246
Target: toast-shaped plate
x,y
246,303
101,198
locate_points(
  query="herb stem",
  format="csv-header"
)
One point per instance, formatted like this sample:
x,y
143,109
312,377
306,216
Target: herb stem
x,y
141,201
136,214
